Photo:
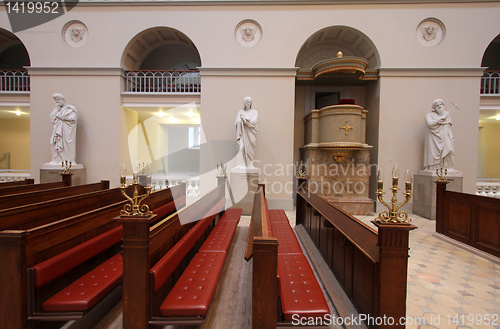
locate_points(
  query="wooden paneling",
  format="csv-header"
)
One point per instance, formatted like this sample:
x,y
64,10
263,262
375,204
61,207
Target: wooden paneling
x,y
471,219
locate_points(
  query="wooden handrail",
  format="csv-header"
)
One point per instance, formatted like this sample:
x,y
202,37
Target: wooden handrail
x,y
358,233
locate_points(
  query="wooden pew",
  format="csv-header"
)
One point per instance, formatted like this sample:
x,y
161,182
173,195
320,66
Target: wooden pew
x,y
280,271
36,214
17,183
371,266
23,249
15,200
470,219
24,188
169,247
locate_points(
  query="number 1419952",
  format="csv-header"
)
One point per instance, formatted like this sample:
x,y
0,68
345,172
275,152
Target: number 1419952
x,y
39,7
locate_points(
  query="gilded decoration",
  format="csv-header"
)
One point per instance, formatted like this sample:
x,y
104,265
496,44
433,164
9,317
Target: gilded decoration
x,y
346,127
339,156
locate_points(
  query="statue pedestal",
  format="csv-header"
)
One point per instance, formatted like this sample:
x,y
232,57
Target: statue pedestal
x,y
243,185
424,195
52,173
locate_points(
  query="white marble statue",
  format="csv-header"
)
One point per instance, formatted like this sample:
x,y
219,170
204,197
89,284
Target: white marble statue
x,y
439,144
63,139
246,134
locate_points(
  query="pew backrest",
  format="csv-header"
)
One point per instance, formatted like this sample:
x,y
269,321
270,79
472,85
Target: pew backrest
x,y
40,213
17,183
16,200
30,188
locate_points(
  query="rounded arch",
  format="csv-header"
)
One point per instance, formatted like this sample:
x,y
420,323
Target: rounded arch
x,y
491,56
326,44
13,53
174,48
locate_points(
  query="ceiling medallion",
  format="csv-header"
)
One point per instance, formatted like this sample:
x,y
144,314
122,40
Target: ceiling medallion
x,y
75,34
430,32
248,33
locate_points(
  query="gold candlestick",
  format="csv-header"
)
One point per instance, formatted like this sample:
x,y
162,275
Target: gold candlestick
x,y
134,208
393,215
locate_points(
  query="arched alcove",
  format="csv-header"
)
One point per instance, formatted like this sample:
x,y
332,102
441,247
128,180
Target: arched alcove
x,y
489,114
161,66
14,107
13,53
337,113
160,48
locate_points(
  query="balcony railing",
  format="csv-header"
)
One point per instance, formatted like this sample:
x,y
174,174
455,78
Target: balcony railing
x,y
163,82
14,81
490,83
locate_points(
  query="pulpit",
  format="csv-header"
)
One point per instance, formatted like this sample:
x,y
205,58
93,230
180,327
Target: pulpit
x,y
337,156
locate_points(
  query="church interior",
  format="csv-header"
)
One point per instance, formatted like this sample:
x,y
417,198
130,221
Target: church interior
x,y
250,164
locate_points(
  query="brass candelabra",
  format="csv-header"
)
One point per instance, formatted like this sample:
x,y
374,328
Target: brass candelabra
x,y
393,215
66,167
221,168
301,170
135,208
441,173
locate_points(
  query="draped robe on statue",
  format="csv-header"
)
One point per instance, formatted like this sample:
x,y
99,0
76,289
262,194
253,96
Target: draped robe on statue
x,y
63,139
246,136
439,144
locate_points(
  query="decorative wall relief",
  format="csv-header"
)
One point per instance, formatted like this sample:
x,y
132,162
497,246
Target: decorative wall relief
x,y
430,32
75,34
248,33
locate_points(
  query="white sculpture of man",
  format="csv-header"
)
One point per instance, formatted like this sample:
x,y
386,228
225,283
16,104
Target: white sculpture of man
x,y
246,134
63,139
439,144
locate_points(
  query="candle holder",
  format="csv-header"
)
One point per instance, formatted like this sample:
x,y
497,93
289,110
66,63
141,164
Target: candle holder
x,y
441,173
221,168
393,215
66,167
134,208
301,170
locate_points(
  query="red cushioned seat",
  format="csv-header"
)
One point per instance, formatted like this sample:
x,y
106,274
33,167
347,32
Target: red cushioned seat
x,y
300,292
193,291
220,238
232,214
288,243
278,215
85,292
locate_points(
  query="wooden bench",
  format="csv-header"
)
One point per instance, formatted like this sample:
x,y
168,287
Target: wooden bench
x,y
278,256
40,213
370,265
16,200
176,254
23,249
